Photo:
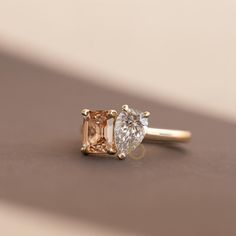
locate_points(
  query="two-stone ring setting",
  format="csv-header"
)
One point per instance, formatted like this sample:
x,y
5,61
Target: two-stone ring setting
x,y
107,132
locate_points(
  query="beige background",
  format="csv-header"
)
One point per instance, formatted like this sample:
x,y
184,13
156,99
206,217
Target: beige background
x,y
182,52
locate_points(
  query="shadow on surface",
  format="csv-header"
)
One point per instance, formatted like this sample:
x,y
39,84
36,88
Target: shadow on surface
x,y
41,164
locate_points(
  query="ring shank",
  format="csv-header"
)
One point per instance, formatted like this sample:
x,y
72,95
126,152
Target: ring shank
x,y
167,135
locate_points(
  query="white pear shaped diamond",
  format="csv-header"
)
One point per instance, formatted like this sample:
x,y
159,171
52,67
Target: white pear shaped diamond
x,y
130,129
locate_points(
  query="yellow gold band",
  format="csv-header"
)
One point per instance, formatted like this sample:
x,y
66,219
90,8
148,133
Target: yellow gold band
x,y
167,135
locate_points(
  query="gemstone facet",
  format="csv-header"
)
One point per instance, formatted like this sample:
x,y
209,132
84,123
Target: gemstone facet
x,y
130,129
98,132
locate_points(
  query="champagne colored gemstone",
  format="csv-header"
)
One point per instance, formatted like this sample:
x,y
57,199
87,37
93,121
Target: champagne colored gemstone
x,y
98,132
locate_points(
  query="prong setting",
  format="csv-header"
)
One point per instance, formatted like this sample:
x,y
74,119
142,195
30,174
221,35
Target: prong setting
x,y
121,156
111,151
125,108
146,114
85,112
84,150
112,113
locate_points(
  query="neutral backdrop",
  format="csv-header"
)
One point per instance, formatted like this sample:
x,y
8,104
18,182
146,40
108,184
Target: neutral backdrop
x,y
179,52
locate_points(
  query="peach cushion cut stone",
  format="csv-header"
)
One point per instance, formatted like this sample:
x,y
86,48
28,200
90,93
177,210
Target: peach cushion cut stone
x,y
98,132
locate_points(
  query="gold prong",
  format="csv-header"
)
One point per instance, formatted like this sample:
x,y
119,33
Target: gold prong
x,y
84,150
111,151
85,112
121,156
146,114
125,108
112,113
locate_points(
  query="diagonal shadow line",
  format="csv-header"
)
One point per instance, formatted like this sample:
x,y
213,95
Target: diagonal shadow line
x,y
41,166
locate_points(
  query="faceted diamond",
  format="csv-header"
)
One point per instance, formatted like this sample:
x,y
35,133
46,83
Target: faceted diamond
x,y
98,132
130,129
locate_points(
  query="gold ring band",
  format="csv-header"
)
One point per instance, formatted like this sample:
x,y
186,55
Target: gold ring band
x,y
167,135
